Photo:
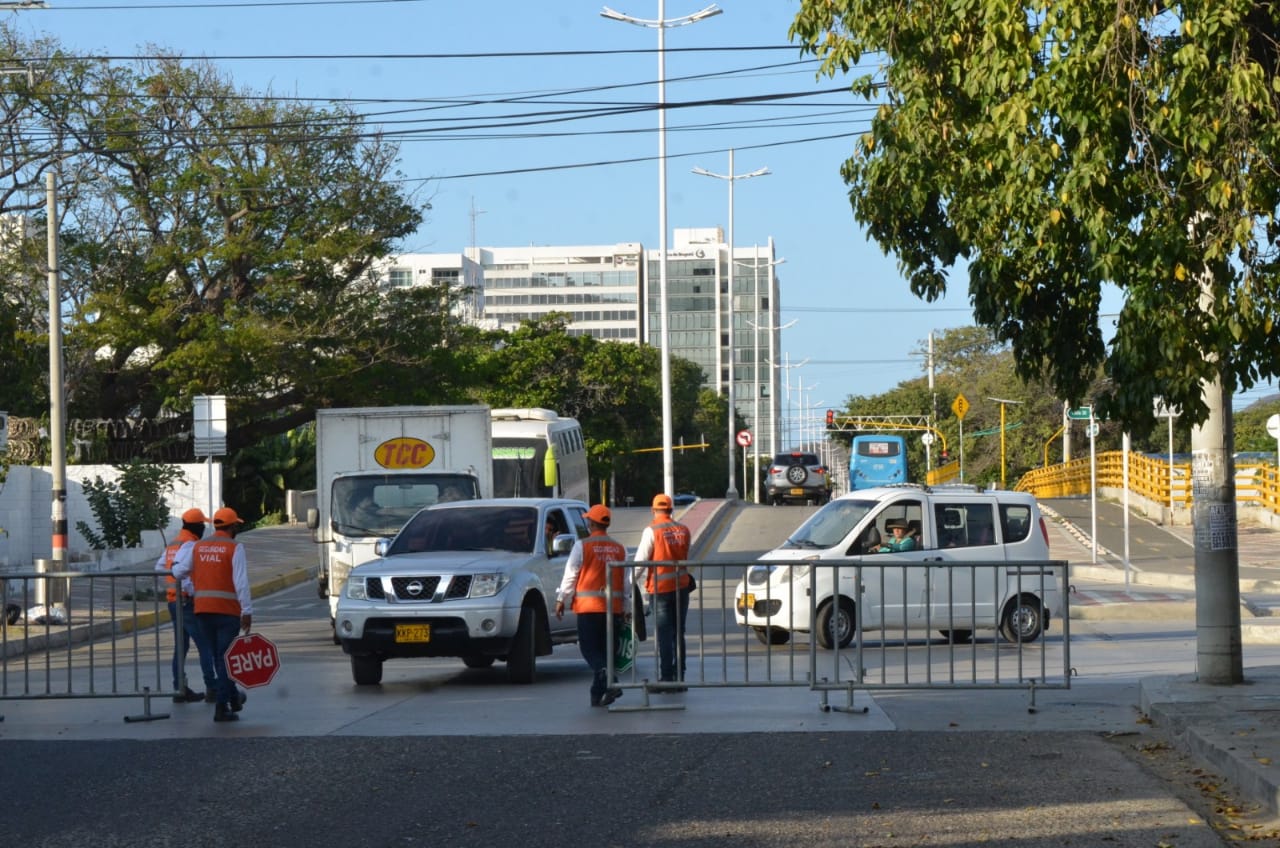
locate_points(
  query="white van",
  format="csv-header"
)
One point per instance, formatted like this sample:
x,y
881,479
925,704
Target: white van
x,y
976,561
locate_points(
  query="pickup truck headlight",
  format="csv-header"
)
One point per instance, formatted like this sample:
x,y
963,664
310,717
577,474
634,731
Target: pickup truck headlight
x,y
355,590
487,585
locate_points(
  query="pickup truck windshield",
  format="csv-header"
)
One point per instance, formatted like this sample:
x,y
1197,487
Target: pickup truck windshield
x,y
469,528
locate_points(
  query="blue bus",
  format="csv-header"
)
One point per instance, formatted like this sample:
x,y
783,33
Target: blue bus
x,y
877,461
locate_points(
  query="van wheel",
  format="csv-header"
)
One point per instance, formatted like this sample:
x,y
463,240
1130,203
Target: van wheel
x,y
477,661
835,624
959,637
1023,620
366,670
772,635
522,661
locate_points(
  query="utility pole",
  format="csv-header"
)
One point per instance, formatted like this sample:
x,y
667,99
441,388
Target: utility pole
x,y
1219,659
57,425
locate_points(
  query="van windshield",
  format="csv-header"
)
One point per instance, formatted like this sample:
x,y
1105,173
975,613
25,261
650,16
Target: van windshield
x,y
830,525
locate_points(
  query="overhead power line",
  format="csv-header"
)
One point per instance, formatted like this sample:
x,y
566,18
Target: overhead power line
x,y
62,7
384,57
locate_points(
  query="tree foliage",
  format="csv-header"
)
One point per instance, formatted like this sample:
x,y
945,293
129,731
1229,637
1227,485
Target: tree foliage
x,y
125,507
614,390
1055,148
213,240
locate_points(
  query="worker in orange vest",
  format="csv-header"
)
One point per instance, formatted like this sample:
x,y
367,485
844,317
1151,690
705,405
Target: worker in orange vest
x,y
184,634
669,586
583,589
223,606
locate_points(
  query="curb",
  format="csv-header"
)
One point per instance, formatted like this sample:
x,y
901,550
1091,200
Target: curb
x,y
1225,746
712,528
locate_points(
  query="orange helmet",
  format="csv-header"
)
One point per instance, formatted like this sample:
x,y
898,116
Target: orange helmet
x,y
599,514
662,502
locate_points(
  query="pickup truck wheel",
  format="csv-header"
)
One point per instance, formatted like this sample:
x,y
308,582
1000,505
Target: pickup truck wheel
x,y
366,670
477,661
522,660
1023,620
959,637
772,635
835,624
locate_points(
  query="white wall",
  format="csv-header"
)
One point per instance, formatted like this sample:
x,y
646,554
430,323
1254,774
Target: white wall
x,y
26,513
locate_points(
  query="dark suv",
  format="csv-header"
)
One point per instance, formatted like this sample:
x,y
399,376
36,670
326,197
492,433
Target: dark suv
x,y
798,477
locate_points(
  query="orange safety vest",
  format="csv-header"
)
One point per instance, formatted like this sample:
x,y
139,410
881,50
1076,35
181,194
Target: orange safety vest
x,y
598,550
670,544
171,588
212,576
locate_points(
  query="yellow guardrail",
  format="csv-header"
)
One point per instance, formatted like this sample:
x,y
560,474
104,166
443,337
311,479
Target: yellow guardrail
x,y
1257,483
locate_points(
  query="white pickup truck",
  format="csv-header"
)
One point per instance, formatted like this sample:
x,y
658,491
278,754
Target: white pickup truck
x,y
471,579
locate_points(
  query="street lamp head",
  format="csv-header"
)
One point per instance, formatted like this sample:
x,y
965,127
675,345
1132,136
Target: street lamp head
x,y
709,12
616,16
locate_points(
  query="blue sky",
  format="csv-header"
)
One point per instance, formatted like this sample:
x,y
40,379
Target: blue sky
x,y
521,171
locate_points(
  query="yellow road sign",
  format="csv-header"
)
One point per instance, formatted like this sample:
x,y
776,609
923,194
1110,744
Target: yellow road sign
x,y
960,406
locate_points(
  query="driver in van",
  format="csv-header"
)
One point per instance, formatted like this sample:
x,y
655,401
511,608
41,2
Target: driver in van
x,y
900,541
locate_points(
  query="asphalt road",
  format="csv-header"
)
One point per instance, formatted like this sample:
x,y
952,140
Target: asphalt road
x,y
881,789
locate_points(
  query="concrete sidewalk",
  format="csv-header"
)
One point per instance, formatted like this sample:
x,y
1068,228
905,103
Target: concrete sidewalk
x,y
1233,730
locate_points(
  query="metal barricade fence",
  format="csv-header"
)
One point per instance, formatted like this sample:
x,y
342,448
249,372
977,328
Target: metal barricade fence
x,y
985,624
103,641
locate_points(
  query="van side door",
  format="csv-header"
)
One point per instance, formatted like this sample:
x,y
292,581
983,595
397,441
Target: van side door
x,y
967,581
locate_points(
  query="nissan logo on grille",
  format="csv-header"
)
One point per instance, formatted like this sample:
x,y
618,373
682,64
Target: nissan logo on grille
x,y
415,588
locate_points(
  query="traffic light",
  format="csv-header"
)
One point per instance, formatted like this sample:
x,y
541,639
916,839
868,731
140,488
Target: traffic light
x,y
945,456
831,417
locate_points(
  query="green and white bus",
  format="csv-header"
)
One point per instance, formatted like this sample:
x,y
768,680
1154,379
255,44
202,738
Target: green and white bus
x,y
538,454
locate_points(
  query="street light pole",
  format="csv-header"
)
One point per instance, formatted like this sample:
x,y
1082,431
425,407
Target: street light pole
x,y
661,24
732,492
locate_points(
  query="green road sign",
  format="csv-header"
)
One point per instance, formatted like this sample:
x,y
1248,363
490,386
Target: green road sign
x,y
1080,413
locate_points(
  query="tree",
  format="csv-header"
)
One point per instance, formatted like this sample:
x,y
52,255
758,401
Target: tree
x,y
1060,147
217,241
129,505
612,388
1056,148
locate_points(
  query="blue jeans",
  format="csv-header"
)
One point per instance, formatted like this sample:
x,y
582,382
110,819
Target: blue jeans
x,y
182,641
593,641
220,631
671,613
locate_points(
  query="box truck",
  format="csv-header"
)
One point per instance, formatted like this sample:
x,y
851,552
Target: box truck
x,y
377,466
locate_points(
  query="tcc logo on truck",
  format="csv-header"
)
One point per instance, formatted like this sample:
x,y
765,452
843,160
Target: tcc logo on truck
x,y
404,452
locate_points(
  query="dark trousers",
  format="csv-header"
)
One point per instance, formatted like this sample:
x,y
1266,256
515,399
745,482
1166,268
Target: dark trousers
x,y
190,632
221,631
671,613
593,641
